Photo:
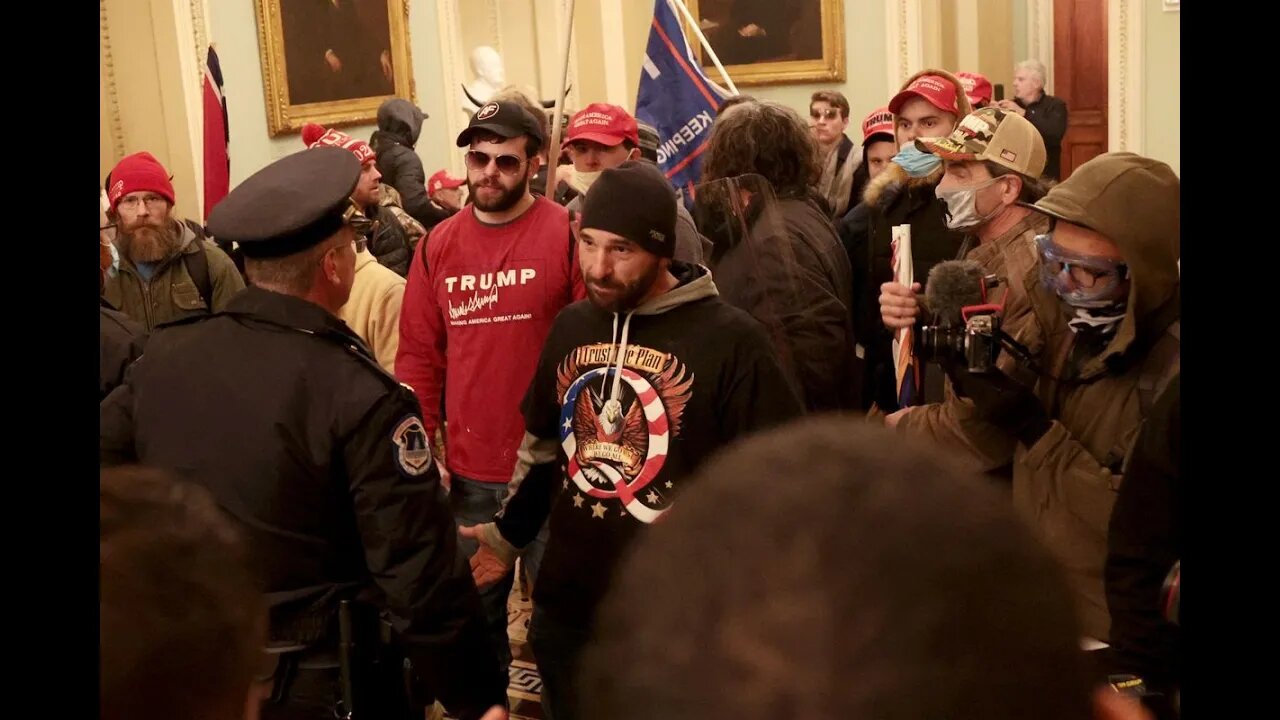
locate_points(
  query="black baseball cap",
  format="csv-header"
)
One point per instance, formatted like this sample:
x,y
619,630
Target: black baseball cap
x,y
505,119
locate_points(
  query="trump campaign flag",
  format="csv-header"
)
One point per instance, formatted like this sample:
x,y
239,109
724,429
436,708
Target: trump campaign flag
x,y
677,99
217,163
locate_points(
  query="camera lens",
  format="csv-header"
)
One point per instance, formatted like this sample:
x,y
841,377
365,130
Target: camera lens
x,y
939,343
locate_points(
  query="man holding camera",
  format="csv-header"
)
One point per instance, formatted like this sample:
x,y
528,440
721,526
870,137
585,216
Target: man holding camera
x,y
1104,344
991,164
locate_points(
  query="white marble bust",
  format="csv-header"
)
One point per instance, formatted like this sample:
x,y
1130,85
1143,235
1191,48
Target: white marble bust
x,y
491,77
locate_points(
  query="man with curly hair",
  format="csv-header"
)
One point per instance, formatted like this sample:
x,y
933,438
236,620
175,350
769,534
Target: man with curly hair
x,y
776,253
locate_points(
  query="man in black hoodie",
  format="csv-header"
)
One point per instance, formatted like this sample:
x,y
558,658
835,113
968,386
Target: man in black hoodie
x,y
399,124
775,252
634,389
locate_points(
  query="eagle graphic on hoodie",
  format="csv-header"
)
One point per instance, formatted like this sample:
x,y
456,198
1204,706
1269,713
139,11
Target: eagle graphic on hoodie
x,y
622,410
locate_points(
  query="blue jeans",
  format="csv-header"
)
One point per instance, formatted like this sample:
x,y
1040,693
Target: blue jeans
x,y
476,502
557,646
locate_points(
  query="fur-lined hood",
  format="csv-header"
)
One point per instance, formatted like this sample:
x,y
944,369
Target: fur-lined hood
x,y
886,186
894,176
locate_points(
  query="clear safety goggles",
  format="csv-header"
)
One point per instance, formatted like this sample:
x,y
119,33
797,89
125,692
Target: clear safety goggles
x,y
1078,277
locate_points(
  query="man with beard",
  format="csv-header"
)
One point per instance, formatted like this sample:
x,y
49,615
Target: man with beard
x,y
373,310
120,339
481,298
633,391
396,232
163,262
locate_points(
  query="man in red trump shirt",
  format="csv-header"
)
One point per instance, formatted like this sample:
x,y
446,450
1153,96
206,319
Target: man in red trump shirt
x,y
483,291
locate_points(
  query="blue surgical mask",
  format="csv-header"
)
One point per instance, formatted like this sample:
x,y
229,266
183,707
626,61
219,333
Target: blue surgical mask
x,y
917,164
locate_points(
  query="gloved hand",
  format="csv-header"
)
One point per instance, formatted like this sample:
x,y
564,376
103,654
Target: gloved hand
x,y
1002,401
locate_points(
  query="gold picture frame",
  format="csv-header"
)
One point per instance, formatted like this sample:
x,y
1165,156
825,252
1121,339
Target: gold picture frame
x,y
320,86
784,57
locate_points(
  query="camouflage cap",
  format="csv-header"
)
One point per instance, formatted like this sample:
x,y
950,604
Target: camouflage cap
x,y
993,134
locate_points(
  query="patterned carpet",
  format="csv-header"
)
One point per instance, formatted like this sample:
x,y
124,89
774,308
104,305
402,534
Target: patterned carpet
x,y
525,684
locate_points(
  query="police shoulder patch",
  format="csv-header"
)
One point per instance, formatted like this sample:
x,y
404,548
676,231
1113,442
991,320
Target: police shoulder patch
x,y
413,449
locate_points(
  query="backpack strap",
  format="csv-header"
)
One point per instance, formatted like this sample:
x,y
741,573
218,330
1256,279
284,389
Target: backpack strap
x,y
573,247
197,264
573,241
421,249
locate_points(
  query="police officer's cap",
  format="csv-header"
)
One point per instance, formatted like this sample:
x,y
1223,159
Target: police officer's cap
x,y
290,205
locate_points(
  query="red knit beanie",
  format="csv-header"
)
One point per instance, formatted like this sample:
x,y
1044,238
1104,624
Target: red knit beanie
x,y
314,135
137,172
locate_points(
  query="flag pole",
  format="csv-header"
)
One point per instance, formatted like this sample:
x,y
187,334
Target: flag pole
x,y
553,149
693,22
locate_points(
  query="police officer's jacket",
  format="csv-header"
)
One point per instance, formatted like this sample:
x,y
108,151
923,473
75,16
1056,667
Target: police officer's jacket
x,y
120,342
279,409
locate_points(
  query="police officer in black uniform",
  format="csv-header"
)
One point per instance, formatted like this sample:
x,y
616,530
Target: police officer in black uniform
x,y
280,410
120,342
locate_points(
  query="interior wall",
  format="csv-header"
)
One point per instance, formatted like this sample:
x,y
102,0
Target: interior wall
x,y
973,35
949,56
637,17
170,130
1018,16
996,44
591,46
1162,98
147,54
108,153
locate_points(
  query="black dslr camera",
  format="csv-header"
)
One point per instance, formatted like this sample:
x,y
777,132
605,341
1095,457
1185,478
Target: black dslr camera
x,y
976,342
968,327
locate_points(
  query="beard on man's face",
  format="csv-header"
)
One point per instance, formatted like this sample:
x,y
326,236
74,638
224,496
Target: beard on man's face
x,y
616,296
149,240
489,194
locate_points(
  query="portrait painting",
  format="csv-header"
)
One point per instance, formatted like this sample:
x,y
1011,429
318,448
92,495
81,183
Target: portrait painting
x,y
332,62
763,42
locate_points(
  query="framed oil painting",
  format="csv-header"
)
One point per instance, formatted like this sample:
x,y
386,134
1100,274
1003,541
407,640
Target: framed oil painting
x,y
765,42
332,62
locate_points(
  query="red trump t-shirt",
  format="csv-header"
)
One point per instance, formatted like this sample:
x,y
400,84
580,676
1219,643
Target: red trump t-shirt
x,y
477,309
